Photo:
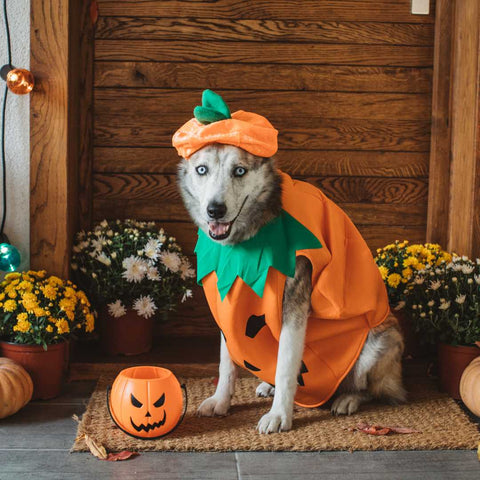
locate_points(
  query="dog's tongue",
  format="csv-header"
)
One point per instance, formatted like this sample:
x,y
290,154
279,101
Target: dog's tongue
x,y
218,228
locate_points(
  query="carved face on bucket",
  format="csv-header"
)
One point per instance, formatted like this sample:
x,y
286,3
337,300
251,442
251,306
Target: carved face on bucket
x,y
146,402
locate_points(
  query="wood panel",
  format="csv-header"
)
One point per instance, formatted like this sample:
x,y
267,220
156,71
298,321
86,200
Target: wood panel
x,y
150,28
325,10
262,52
296,162
280,77
140,106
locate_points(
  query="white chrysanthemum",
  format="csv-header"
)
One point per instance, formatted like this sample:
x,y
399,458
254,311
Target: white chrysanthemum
x,y
152,248
161,237
171,260
104,223
116,309
145,306
435,285
444,306
188,294
460,299
152,273
477,279
419,280
400,305
105,259
98,243
431,303
186,269
467,269
135,269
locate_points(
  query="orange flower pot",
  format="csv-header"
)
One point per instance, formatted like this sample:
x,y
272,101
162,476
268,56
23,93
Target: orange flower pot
x,y
130,334
452,361
46,367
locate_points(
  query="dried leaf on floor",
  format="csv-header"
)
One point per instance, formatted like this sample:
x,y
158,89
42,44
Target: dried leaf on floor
x,y
96,449
117,457
380,429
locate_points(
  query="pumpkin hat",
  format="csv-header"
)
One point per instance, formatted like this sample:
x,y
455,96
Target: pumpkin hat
x,y
213,123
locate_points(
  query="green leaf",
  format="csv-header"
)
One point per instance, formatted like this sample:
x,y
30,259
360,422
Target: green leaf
x,y
213,108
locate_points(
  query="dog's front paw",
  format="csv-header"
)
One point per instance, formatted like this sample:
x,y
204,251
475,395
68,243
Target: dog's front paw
x,y
214,407
274,422
265,390
346,404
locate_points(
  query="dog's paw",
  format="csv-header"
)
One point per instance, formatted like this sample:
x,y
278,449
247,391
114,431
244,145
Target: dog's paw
x,y
346,404
214,407
265,390
274,422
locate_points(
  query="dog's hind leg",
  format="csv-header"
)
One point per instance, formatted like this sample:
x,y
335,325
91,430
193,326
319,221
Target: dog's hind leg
x,y
296,306
265,390
219,403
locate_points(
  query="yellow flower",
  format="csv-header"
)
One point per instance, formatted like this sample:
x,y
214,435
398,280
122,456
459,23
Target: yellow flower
x,y
22,326
410,262
9,305
52,319
66,304
394,279
49,329
12,294
383,272
49,291
70,315
2,296
407,272
55,281
39,312
12,276
90,323
29,301
70,293
22,316
62,326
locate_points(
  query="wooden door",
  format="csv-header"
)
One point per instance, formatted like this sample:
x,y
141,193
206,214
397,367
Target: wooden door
x,y
347,84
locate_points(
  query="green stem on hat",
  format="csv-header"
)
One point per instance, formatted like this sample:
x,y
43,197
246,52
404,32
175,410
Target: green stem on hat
x,y
213,108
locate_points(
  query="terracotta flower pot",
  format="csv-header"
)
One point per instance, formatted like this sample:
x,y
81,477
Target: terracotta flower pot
x,y
413,346
130,334
452,361
46,367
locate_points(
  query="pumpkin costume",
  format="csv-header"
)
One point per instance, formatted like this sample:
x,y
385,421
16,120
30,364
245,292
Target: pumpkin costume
x,y
244,285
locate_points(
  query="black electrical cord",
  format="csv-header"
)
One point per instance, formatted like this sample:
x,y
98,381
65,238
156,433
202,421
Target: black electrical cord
x,y
4,111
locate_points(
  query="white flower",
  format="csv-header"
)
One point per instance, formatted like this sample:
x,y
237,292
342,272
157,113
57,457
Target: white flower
x,y
419,280
435,285
444,306
470,281
431,303
457,267
171,260
98,243
188,294
104,223
152,248
414,307
145,306
114,255
187,271
454,279
135,269
116,309
74,266
102,258
152,273
110,233
460,299
161,237
400,305
477,279
468,269
423,314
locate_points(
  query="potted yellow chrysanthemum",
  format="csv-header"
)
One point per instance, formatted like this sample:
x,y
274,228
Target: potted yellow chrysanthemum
x,y
38,315
398,263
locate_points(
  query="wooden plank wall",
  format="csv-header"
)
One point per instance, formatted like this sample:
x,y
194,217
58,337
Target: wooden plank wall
x,y
347,83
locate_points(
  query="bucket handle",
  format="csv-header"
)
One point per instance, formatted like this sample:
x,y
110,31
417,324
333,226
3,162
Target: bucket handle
x,y
180,420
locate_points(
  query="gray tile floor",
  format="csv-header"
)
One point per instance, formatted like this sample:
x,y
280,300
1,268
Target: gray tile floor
x,y
35,443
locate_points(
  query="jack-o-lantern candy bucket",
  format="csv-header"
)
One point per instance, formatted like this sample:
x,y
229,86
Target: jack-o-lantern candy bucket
x,y
146,402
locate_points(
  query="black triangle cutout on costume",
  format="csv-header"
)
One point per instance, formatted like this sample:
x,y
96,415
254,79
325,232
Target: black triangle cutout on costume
x,y
254,324
251,367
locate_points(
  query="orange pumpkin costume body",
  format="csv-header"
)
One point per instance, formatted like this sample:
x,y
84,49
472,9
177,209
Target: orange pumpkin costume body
x,y
348,299
348,294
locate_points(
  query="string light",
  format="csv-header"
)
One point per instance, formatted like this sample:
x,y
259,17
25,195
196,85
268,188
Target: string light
x,y
20,82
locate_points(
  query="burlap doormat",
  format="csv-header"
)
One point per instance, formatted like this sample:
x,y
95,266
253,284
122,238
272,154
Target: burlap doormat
x,y
442,422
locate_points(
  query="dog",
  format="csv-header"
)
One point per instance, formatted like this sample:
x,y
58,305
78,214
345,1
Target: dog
x,y
230,195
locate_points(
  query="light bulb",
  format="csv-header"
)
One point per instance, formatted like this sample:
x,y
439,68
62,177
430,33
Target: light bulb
x,y
9,257
20,81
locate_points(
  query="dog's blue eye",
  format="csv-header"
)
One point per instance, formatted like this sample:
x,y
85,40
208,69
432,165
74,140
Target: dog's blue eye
x,y
240,171
201,169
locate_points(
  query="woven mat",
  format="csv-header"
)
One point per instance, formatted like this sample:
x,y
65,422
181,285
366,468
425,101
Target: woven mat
x,y
442,422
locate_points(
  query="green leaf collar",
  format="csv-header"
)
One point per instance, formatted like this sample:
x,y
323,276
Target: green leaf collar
x,y
213,108
275,245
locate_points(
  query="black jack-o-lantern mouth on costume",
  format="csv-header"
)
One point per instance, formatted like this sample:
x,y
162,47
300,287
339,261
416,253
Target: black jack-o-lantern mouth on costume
x,y
146,402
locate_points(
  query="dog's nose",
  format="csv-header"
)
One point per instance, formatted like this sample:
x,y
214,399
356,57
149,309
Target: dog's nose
x,y
216,210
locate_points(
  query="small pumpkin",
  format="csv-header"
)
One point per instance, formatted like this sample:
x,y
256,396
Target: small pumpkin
x,y
470,386
146,402
16,387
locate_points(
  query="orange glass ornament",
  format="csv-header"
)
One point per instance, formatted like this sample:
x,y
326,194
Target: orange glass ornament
x,y
20,81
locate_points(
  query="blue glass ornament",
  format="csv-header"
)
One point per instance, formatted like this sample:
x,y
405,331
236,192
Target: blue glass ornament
x,y
9,257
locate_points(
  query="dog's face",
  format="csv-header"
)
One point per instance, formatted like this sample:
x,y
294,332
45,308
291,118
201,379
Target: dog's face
x,y
229,192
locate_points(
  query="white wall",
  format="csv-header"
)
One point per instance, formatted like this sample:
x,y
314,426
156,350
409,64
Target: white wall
x,y
17,129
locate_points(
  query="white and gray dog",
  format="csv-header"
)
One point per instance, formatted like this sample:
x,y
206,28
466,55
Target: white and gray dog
x,y
231,194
